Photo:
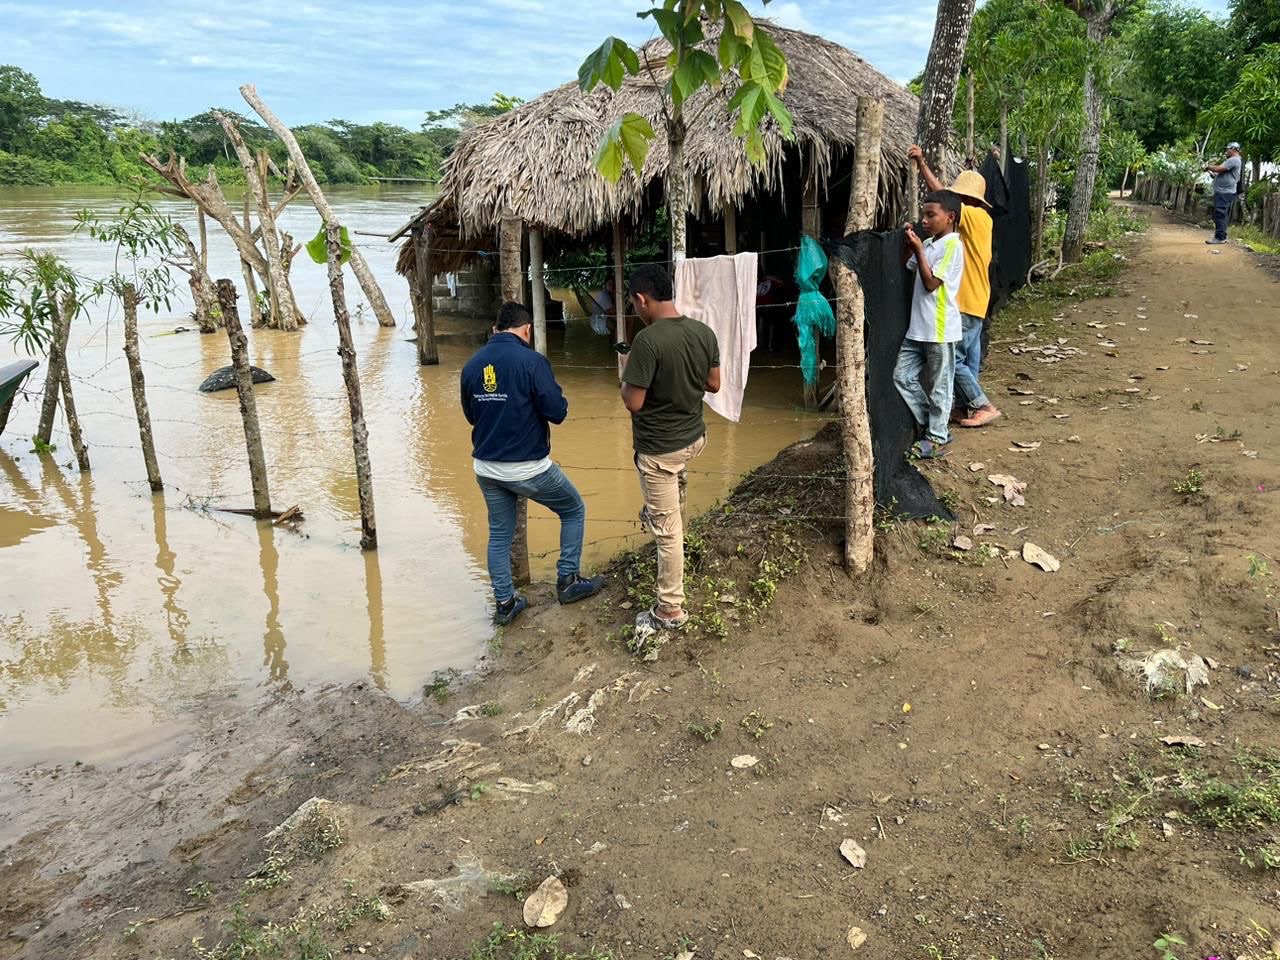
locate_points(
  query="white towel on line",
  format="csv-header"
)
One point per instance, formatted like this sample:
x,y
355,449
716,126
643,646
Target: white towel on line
x,y
721,292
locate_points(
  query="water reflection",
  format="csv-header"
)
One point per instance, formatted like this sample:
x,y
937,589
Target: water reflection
x,y
175,617
273,639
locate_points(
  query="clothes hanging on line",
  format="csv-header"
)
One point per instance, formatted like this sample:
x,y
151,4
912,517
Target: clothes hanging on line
x,y
721,292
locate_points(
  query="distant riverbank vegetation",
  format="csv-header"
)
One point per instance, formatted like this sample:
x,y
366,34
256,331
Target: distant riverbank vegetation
x,y
49,141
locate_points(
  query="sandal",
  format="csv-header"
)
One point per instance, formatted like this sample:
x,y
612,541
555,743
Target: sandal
x,y
652,620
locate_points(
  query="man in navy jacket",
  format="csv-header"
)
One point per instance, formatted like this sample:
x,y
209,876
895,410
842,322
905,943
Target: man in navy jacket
x,y
510,397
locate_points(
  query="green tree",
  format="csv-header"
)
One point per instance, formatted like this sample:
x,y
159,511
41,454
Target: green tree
x,y
1250,110
1184,57
743,50
21,103
1256,22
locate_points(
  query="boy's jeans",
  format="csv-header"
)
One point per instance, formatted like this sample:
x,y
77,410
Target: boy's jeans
x,y
663,481
552,489
938,362
1222,203
969,362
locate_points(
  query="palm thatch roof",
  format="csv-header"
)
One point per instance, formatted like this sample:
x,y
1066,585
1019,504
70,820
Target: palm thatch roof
x,y
537,162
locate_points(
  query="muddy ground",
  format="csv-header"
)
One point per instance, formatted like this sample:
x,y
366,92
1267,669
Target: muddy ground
x,y
967,718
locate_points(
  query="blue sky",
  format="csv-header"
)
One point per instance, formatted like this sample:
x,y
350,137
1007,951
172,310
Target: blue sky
x,y
317,59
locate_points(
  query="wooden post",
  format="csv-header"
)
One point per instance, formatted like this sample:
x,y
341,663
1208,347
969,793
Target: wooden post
x,y
1004,137
811,223
351,377
731,230
204,241
372,292
139,384
538,291
851,350
913,193
969,151
424,319
248,403
57,362
509,253
68,401
620,288
250,284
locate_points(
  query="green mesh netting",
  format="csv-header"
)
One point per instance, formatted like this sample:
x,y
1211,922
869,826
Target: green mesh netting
x,y
813,313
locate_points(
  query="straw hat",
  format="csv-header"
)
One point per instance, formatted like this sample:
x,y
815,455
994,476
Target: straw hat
x,y
973,185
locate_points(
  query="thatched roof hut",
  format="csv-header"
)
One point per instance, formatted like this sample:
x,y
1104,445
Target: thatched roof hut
x,y
537,163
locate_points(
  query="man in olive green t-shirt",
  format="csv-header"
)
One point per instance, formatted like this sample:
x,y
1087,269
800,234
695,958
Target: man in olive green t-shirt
x,y
672,363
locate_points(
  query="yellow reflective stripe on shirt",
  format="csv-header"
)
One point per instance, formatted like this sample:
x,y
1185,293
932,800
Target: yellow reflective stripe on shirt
x,y
940,273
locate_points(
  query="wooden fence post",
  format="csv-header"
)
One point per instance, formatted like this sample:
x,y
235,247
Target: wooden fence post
x,y
538,291
851,348
424,318
248,403
510,241
351,377
138,382
69,309
57,360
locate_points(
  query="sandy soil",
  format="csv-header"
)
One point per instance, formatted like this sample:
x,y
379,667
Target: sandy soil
x,y
965,717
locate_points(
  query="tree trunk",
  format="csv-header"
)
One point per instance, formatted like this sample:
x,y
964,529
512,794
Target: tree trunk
x,y
677,189
620,288
204,241
139,384
424,319
248,403
970,151
372,292
1004,137
538,291
204,298
286,316
510,240
351,377
1124,182
57,363
851,348
209,198
250,284
1098,28
1041,198
69,402
941,75
913,193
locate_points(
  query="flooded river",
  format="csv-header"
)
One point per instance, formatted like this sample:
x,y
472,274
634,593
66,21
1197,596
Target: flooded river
x,y
123,615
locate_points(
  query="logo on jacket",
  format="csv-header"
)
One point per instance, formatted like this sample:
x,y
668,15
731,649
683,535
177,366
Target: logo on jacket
x,y
490,379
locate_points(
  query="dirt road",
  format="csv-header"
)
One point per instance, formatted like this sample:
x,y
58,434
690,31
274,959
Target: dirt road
x,y
968,719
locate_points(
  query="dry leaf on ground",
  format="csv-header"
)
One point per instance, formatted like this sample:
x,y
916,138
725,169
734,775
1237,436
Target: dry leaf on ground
x,y
854,853
544,906
1012,488
1039,557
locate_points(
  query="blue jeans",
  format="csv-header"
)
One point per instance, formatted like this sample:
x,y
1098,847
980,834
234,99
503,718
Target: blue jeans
x,y
969,362
552,489
937,361
1222,203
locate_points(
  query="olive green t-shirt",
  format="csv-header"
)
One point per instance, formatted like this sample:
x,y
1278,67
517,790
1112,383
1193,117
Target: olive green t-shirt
x,y
671,359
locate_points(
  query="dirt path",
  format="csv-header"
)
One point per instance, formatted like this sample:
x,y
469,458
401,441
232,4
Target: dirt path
x,y
970,724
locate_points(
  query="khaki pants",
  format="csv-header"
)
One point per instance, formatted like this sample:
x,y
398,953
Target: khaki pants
x,y
662,484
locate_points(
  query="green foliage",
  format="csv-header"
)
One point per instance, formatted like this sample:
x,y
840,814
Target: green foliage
x,y
1184,57
1165,944
744,51
516,944
318,246
1250,110
59,141
1191,484
31,294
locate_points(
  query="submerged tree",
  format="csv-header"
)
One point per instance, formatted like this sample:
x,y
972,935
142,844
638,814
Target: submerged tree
x,y
743,51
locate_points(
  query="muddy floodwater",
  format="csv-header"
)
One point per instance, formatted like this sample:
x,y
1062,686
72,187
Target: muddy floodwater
x,y
125,618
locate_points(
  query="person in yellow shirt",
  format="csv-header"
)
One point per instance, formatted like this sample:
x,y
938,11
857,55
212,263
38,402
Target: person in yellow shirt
x,y
976,228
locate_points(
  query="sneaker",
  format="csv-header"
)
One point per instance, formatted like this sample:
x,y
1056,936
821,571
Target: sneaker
x,y
574,588
982,416
650,619
505,613
1215,240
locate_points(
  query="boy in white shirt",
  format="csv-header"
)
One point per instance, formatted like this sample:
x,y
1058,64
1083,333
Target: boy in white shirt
x,y
935,328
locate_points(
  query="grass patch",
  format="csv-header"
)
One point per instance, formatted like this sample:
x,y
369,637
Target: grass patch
x,y
1256,240
437,688
294,941
1190,485
706,728
509,943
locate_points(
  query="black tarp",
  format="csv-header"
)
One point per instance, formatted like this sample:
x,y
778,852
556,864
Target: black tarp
x,y
886,283
1011,242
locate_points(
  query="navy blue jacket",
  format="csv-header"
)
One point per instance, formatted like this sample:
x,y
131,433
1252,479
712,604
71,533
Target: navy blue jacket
x,y
510,396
